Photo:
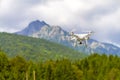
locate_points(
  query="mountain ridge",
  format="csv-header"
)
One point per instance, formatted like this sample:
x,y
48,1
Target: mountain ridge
x,y
59,35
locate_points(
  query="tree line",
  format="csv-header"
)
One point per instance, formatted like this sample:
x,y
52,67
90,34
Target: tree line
x,y
94,67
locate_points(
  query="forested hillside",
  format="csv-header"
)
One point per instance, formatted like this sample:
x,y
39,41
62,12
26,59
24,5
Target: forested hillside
x,y
35,49
94,67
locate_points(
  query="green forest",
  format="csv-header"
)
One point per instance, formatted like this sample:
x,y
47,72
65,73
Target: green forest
x,y
94,67
26,58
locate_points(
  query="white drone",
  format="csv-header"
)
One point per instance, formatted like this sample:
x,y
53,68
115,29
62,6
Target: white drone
x,y
81,38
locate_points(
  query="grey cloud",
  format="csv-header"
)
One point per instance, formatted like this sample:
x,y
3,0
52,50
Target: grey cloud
x,y
100,11
19,15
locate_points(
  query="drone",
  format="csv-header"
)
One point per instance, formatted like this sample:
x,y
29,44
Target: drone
x,y
81,38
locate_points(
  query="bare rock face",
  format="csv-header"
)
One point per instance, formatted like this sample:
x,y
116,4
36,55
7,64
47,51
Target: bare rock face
x,y
53,33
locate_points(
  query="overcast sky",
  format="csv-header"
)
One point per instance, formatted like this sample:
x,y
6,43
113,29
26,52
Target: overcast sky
x,y
101,16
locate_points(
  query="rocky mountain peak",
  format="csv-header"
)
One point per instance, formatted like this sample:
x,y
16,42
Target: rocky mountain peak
x,y
32,27
36,25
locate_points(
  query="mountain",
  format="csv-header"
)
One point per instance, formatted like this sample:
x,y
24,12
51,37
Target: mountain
x,y
101,47
32,28
57,34
35,49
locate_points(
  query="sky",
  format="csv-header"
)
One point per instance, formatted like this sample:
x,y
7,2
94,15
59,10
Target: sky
x,y
100,16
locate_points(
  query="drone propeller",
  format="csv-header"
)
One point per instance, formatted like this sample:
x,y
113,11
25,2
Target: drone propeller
x,y
87,31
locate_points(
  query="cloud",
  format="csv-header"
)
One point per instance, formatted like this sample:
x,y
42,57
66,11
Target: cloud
x,y
101,16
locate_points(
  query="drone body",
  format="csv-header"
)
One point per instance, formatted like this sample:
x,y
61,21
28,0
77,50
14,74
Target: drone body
x,y
81,38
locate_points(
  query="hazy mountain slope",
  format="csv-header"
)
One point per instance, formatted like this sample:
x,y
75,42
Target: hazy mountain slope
x,y
35,49
57,34
102,47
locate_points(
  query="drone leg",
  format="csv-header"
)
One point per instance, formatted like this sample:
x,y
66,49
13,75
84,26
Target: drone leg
x,y
74,45
86,43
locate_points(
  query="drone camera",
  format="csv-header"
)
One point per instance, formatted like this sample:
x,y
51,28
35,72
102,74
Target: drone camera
x,y
80,43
